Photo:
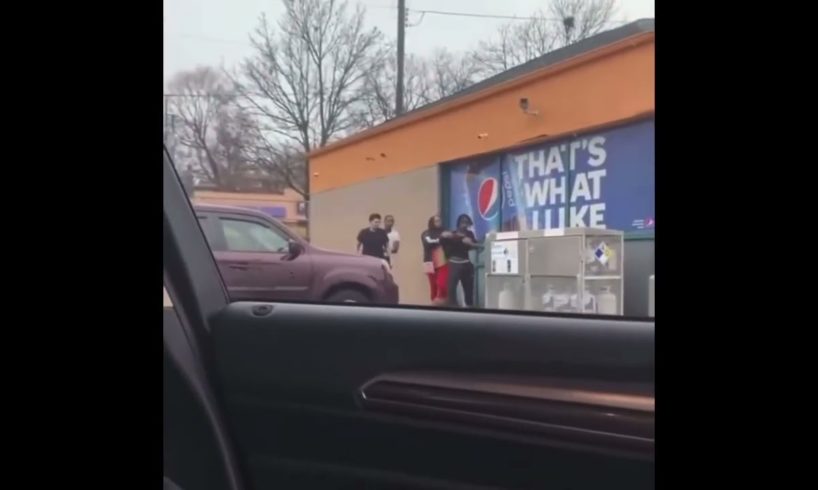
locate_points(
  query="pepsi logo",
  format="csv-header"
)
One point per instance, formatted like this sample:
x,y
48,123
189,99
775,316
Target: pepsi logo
x,y
488,202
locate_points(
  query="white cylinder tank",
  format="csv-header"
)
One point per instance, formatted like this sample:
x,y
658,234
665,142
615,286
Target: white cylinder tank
x,y
506,299
606,302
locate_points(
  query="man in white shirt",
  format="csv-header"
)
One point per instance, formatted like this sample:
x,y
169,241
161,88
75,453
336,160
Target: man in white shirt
x,y
394,238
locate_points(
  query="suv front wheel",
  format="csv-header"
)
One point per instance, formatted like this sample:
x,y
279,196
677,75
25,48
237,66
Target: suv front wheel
x,y
347,296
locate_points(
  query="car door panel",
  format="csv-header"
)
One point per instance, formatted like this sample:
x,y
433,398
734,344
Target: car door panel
x,y
263,275
513,401
297,278
254,275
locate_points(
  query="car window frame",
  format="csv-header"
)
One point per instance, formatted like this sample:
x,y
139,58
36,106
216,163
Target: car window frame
x,y
212,236
198,293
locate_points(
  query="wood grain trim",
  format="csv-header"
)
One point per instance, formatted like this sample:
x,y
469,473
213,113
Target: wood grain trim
x,y
607,416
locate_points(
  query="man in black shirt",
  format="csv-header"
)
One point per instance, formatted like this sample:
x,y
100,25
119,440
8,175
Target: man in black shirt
x,y
373,241
461,270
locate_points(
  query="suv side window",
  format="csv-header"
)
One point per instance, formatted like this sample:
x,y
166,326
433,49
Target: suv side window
x,y
248,236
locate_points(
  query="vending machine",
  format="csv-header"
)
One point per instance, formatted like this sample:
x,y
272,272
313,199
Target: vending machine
x,y
571,270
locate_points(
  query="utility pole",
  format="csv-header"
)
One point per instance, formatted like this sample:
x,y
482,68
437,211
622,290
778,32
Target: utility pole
x,y
401,36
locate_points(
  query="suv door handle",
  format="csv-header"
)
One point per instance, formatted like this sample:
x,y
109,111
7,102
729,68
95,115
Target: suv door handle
x,y
239,267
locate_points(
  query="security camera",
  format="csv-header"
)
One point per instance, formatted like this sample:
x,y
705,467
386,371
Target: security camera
x,y
525,107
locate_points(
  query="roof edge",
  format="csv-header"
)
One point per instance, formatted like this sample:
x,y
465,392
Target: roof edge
x,y
626,36
543,139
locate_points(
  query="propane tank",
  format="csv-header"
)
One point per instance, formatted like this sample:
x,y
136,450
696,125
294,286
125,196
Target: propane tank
x,y
606,301
506,298
548,303
588,302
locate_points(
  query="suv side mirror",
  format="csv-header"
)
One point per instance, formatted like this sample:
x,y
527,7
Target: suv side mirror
x,y
294,249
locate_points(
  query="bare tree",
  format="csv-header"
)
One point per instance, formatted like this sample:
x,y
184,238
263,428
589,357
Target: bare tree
x,y
448,73
425,81
377,103
285,163
211,126
581,18
564,22
516,43
305,78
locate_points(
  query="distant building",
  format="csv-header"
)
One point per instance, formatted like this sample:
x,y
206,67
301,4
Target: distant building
x,y
285,206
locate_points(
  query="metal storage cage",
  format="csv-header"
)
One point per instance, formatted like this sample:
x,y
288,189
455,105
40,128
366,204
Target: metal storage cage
x,y
577,270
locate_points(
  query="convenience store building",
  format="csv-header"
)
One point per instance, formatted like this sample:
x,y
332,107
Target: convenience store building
x,y
566,139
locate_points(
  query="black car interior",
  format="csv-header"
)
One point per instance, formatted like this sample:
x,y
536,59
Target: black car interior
x,y
301,396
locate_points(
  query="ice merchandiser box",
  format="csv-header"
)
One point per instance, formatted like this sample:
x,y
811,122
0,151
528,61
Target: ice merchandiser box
x,y
571,270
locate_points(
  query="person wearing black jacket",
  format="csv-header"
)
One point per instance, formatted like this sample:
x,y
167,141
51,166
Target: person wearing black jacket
x,y
461,270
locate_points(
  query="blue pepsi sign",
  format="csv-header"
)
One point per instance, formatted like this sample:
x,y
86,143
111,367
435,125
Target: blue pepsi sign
x,y
488,198
602,180
474,190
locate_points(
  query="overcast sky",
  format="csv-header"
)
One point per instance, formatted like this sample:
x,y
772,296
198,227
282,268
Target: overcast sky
x,y
215,32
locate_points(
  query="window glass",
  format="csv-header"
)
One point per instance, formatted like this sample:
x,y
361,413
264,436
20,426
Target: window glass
x,y
294,111
247,236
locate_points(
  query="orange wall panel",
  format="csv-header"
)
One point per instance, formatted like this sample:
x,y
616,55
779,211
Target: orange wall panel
x,y
614,84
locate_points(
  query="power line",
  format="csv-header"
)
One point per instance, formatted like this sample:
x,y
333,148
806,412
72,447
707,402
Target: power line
x,y
496,16
415,24
368,5
422,13
215,95
480,16
215,40
461,14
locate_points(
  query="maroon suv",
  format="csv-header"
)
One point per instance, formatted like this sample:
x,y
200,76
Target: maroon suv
x,y
261,260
